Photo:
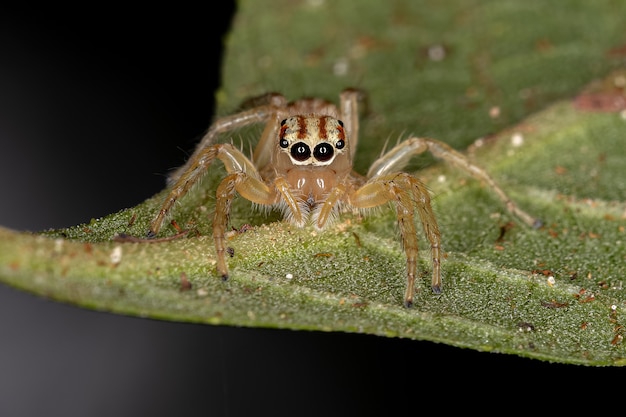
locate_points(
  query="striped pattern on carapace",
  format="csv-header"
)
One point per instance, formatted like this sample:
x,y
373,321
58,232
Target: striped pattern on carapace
x,y
312,140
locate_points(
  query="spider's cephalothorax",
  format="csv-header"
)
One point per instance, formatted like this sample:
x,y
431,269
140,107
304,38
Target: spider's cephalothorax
x,y
313,157
303,165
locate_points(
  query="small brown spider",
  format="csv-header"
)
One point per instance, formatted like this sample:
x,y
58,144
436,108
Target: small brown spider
x,y
303,166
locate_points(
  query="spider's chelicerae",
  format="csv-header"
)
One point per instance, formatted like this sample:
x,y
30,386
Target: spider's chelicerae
x,y
302,165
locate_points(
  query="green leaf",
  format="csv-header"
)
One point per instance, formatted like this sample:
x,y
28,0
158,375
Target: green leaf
x,y
495,75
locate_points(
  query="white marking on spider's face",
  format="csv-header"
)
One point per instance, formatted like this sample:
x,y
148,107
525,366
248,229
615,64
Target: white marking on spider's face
x,y
312,140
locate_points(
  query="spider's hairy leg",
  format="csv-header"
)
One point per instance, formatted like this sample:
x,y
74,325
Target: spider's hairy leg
x,y
233,161
225,124
263,150
249,187
399,156
349,103
409,195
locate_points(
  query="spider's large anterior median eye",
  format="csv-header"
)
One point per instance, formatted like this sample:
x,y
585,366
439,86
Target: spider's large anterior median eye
x,y
300,151
323,152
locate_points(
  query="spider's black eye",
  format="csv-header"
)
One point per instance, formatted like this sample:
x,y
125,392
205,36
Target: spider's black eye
x,y
323,152
284,143
285,121
301,151
340,122
340,144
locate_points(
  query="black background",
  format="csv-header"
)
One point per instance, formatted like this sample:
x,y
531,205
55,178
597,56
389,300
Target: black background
x,y
95,108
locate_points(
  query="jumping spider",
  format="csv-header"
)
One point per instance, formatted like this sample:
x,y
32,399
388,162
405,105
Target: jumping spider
x,y
302,165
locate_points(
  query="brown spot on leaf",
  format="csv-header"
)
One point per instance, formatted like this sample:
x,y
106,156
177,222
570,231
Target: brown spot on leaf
x,y
607,95
559,170
600,102
553,304
185,285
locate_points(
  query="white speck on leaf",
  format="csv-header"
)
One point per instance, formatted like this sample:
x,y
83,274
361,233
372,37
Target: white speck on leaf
x,y
58,245
116,255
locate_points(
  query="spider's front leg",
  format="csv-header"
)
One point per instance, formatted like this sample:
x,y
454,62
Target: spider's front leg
x,y
242,178
249,187
409,195
233,161
252,188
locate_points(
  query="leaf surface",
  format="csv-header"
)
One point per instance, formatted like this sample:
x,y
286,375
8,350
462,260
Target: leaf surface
x,y
499,76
